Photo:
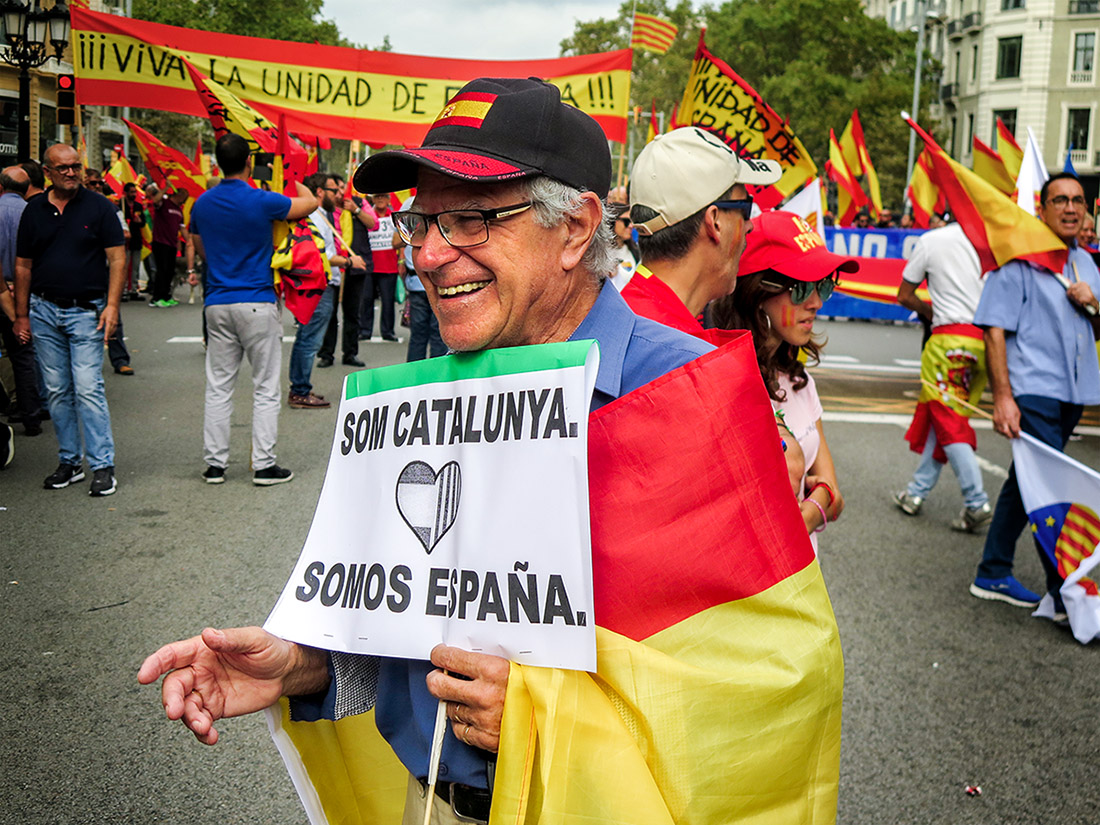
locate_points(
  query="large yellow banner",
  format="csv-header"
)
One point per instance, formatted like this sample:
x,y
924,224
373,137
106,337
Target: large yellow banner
x,y
377,97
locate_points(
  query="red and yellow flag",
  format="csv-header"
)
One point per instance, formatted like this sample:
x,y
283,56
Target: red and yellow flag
x,y
169,167
849,195
228,113
120,174
718,702
1010,151
652,33
990,167
719,101
854,149
925,196
999,229
652,131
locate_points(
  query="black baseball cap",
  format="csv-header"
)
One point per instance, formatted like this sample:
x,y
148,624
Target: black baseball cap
x,y
500,129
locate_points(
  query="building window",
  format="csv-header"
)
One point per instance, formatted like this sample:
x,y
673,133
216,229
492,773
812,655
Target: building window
x,y
904,13
1006,116
1009,5
958,66
1009,52
954,134
1084,51
1077,129
974,63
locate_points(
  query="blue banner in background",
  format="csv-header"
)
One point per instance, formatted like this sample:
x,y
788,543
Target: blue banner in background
x,y
869,243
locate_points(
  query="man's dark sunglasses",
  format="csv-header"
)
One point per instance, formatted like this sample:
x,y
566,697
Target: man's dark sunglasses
x,y
744,206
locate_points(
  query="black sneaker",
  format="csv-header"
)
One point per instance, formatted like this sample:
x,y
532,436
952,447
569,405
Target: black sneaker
x,y
271,475
214,475
63,476
103,482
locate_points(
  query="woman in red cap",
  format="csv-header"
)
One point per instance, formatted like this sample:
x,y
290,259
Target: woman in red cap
x,y
786,274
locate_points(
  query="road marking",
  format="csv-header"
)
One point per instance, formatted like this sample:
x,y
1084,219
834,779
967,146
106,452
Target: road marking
x,y
991,468
857,367
287,339
906,362
840,359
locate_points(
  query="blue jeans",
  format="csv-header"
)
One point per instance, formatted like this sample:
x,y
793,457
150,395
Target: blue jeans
x,y
1051,421
69,349
306,344
423,328
963,463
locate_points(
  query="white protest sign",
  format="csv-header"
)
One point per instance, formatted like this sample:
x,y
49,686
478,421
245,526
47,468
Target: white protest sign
x,y
455,510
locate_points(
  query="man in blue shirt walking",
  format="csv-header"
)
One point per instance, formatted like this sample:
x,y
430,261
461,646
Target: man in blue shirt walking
x,y
1040,344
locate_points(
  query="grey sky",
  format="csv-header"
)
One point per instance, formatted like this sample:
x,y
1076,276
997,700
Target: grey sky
x,y
474,29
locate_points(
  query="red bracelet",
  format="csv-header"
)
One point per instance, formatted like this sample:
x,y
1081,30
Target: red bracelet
x,y
828,490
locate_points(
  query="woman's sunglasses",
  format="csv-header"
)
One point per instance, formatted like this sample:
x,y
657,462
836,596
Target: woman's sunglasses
x,y
802,290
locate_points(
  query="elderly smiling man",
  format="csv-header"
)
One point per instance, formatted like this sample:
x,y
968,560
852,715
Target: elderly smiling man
x,y
512,243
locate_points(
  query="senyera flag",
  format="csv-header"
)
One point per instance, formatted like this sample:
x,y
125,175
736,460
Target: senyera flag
x,y
721,102
377,97
999,229
717,696
1062,499
169,168
652,33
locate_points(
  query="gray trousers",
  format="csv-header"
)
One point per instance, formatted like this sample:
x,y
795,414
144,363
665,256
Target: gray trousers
x,y
233,331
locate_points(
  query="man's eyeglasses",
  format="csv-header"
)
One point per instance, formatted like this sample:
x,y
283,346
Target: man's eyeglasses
x,y
1061,201
744,206
802,290
67,169
331,189
461,228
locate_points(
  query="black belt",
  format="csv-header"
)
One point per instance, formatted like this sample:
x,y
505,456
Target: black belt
x,y
469,804
84,302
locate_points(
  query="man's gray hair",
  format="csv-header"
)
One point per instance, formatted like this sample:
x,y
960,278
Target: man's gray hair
x,y
553,201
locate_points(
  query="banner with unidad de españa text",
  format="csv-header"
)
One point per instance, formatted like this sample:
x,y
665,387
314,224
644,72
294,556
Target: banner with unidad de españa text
x,y
376,97
718,100
455,510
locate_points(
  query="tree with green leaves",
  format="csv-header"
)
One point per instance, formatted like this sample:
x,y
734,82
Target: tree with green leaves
x,y
811,60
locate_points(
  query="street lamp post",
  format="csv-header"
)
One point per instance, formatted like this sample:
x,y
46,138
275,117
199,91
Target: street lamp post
x,y
27,30
921,5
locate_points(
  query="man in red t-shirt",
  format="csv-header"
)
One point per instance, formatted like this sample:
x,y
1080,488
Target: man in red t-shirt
x,y
689,204
383,279
167,227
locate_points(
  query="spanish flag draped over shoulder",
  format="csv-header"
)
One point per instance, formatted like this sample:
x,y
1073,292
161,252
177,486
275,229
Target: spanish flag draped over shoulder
x,y
718,692
999,229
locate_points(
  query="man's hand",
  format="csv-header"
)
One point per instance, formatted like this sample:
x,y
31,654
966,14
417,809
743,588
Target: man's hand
x,y
356,262
225,673
1081,295
21,327
349,205
108,322
193,278
475,707
1006,416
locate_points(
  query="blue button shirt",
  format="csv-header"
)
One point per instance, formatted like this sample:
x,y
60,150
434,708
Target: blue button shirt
x,y
1049,342
633,352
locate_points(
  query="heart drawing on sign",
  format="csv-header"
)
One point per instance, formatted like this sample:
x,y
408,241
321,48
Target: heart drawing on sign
x,y
428,501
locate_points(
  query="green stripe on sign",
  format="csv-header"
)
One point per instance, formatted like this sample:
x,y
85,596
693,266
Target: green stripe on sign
x,y
462,365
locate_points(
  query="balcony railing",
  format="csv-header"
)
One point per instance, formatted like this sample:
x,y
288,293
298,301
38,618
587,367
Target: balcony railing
x,y
949,91
1079,157
954,29
1081,78
1084,6
974,20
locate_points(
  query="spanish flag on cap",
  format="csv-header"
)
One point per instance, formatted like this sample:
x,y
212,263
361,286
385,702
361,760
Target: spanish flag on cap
x,y
467,109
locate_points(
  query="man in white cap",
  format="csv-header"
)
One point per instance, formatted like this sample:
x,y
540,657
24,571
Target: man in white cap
x,y
690,206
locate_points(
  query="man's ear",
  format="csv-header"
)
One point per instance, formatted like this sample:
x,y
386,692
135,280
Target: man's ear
x,y
712,224
580,229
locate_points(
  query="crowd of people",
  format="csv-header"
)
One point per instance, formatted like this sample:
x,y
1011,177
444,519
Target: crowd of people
x,y
511,240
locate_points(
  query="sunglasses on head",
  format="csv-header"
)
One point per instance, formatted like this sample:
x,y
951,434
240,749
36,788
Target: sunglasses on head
x,y
802,290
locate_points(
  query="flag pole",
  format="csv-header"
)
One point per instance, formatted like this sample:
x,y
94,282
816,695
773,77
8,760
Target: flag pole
x,y
945,397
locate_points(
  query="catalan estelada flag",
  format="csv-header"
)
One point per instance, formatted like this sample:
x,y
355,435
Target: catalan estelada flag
x,y
990,167
1062,499
1009,150
854,149
849,195
652,33
717,696
999,229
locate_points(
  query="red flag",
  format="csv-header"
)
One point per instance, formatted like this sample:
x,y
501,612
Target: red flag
x,y
170,168
999,229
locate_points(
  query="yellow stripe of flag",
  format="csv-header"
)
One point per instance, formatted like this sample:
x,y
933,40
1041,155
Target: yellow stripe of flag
x,y
652,33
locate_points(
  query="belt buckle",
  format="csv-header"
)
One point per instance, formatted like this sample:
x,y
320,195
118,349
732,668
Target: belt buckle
x,y
465,812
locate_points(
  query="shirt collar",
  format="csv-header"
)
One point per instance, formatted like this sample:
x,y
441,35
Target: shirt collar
x,y
611,322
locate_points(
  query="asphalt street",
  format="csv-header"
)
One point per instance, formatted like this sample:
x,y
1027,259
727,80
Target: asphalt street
x,y
942,690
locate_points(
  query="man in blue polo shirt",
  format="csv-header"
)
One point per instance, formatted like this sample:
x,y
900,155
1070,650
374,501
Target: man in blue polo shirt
x,y
68,286
231,226
1041,354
